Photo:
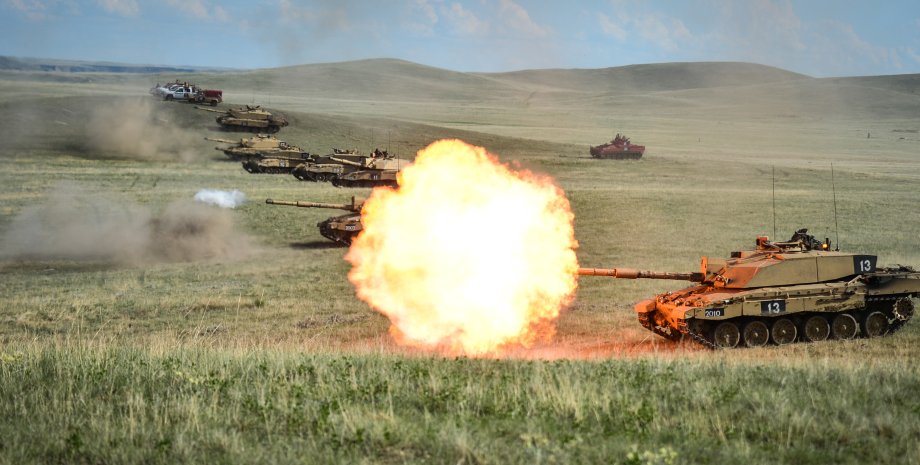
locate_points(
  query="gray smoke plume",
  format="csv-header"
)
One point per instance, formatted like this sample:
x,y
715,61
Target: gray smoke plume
x,y
130,128
75,225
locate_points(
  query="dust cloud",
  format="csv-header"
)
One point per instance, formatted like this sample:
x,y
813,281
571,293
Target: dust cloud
x,y
132,129
75,225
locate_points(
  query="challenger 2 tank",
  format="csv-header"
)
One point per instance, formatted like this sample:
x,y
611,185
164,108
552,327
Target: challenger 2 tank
x,y
341,229
259,144
273,164
620,148
252,118
780,293
380,169
322,168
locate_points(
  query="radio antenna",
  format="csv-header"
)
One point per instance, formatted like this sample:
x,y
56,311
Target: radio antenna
x,y
836,230
774,202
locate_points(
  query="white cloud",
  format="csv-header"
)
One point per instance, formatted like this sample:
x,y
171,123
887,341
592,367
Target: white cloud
x,y
658,29
200,9
32,9
121,7
421,17
330,18
517,18
465,21
611,28
912,54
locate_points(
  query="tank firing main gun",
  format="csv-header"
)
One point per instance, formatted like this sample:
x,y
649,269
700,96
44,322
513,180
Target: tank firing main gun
x,y
342,229
630,273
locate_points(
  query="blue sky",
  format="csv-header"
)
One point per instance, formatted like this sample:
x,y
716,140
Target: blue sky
x,y
815,37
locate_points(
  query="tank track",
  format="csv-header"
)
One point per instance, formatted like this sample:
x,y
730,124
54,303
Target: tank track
x,y
895,324
334,235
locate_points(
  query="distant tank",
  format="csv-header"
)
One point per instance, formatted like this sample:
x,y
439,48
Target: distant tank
x,y
260,144
341,229
252,118
322,168
779,292
620,148
380,169
273,164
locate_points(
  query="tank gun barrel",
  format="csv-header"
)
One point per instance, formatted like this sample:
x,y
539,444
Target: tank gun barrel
x,y
630,273
222,141
354,206
209,109
346,162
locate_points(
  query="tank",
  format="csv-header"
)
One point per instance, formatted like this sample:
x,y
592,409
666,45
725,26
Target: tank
x,y
273,164
380,169
252,118
322,168
260,144
779,293
341,229
620,148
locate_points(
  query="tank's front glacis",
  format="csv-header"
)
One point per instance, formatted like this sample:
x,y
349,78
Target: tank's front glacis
x,y
671,312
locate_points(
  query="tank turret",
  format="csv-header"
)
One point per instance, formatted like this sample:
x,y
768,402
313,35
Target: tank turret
x,y
779,292
341,229
379,169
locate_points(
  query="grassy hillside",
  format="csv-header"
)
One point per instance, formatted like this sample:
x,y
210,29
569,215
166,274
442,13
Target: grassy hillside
x,y
263,353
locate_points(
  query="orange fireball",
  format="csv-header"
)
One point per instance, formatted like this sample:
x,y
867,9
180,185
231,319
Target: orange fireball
x,y
468,256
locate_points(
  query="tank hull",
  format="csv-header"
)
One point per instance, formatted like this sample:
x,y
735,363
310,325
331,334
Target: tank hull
x,y
870,305
613,152
341,229
271,165
269,126
367,178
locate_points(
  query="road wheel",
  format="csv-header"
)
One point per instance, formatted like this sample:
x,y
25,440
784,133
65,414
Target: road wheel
x,y
726,335
784,331
817,329
844,326
904,309
875,324
756,334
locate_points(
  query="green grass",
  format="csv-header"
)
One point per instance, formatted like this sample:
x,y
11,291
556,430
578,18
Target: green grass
x,y
100,405
271,358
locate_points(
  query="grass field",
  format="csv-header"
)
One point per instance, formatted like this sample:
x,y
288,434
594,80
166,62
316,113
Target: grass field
x,y
262,353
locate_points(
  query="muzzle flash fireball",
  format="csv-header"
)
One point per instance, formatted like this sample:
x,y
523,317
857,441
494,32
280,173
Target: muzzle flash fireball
x,y
467,256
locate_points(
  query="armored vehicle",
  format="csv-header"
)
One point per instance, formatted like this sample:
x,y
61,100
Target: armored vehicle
x,y
260,144
341,229
252,118
328,167
620,148
379,169
779,292
273,164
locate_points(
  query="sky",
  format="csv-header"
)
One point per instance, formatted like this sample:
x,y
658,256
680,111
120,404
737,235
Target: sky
x,y
820,38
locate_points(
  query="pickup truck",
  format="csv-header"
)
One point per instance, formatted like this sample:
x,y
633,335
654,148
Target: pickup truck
x,y
209,96
192,94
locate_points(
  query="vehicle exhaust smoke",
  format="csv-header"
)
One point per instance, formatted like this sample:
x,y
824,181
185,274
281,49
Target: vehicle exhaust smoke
x,y
131,129
75,225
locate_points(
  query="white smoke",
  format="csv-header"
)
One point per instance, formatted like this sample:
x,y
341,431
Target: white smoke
x,y
222,199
